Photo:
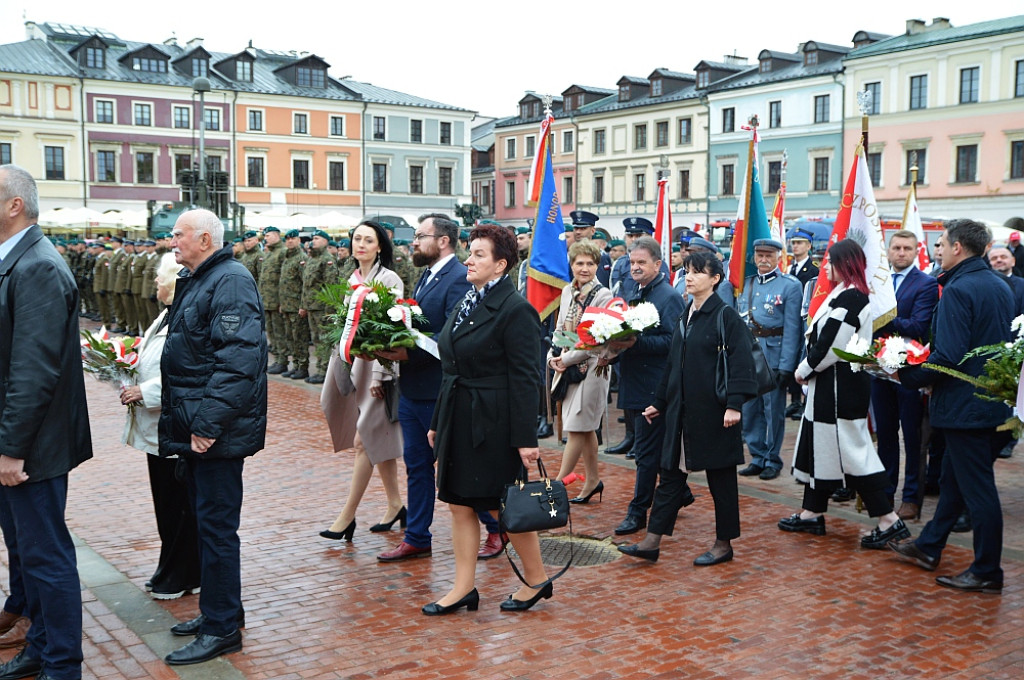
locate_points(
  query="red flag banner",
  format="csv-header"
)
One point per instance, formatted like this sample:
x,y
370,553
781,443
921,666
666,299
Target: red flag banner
x,y
663,223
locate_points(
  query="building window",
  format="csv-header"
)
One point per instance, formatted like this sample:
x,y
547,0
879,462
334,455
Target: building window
x,y
94,57
380,177
922,156
510,148
774,176
336,175
446,133
811,58
820,174
200,68
182,119
967,163
510,194
567,141
765,66
1018,89
661,133
444,181
728,120
104,111
684,184
599,141
54,162
918,92
640,187
775,114
309,77
656,87
703,78
685,130
144,167
243,70
969,78
1016,159
337,126
416,131
729,180
624,92
143,114
300,174
567,196
213,164
5,153
300,124
106,166
151,65
599,189
182,162
640,136
415,179
211,119
254,168
875,90
821,108
531,146
255,120
378,128
874,161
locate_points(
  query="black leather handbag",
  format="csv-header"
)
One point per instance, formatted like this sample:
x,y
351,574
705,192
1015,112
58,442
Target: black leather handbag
x,y
534,506
763,373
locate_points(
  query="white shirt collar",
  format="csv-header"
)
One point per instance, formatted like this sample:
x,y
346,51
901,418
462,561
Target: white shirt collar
x,y
439,265
7,246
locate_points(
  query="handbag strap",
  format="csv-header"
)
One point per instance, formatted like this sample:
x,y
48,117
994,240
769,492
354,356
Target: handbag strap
x,y
519,575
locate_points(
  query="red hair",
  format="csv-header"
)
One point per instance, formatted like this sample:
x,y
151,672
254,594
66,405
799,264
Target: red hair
x,y
848,262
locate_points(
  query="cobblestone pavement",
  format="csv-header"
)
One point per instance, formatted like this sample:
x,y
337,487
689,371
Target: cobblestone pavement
x,y
789,606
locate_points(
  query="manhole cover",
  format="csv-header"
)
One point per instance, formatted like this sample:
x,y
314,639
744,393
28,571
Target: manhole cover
x,y
586,552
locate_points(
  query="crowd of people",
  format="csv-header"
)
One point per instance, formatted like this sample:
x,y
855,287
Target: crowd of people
x,y
228,315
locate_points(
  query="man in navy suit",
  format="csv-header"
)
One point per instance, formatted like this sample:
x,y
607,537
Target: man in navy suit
x,y
896,407
438,293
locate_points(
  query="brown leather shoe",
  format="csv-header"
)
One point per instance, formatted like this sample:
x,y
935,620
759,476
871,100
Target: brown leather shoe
x,y
404,551
15,637
492,547
909,511
7,620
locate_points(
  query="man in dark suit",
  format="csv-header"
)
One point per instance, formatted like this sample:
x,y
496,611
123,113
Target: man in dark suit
x,y
438,293
642,362
896,407
44,430
1002,262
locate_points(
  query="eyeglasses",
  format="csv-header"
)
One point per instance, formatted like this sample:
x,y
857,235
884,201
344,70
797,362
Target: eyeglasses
x,y
420,237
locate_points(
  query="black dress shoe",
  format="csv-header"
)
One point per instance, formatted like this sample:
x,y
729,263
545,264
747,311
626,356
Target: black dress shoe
x,y
470,601
545,431
769,473
631,455
708,559
814,526
191,627
909,552
300,374
751,470
631,525
513,605
635,551
21,666
963,524
204,648
843,495
624,446
970,582
878,539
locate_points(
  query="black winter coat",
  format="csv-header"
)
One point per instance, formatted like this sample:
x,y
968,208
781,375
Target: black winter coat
x,y
214,365
686,395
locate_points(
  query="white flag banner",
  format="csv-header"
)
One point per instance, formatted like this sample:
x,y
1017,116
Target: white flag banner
x,y
866,229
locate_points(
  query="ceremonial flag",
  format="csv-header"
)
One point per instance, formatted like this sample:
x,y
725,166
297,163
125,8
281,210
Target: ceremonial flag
x,y
751,224
537,168
912,222
858,219
548,269
663,224
777,228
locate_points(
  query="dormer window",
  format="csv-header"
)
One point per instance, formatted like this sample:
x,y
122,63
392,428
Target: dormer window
x,y
94,57
766,66
810,58
702,78
536,109
624,92
306,76
200,67
243,70
524,110
656,87
148,64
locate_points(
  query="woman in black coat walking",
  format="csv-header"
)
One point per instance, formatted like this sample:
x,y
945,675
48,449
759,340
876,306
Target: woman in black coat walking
x,y
701,433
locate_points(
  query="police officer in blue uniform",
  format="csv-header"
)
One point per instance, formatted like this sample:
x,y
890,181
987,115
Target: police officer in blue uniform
x,y
770,303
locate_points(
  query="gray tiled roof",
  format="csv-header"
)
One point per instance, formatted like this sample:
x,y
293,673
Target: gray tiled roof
x,y
612,102
903,42
635,79
753,77
36,57
665,73
591,90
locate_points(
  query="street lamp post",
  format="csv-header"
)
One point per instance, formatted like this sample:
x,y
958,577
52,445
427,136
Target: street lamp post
x,y
202,86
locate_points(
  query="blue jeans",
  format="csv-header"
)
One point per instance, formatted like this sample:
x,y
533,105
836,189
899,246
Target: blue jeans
x,y
415,415
764,426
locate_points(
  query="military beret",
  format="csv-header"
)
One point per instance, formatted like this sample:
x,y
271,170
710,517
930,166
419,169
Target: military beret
x,y
614,243
490,222
582,218
163,235
601,233
250,234
237,240
698,242
676,248
332,244
401,242
767,243
344,243
569,228
464,234
387,225
322,234
638,225
292,233
270,229
801,235
522,230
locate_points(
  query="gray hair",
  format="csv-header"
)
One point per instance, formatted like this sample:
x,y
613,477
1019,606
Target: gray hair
x,y
18,183
206,222
650,245
167,273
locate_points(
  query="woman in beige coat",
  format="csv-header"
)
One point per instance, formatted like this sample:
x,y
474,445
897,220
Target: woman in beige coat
x,y
353,400
585,402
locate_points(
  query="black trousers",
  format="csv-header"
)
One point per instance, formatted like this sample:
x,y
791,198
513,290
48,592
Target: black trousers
x,y
672,491
872,488
178,567
647,447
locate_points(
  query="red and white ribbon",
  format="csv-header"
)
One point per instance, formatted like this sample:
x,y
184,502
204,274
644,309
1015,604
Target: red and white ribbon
x,y
355,310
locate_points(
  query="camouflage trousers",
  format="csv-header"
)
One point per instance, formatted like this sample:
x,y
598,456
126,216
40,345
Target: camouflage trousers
x,y
316,333
297,329
277,335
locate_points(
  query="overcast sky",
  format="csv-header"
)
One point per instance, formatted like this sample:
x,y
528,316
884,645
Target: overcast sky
x,y
484,55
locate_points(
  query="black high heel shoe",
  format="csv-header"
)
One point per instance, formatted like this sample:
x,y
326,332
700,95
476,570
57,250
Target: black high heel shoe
x,y
514,605
345,533
470,601
599,490
386,526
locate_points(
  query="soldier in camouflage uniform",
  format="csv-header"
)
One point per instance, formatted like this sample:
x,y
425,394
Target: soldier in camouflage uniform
x,y
403,263
320,269
290,296
269,280
137,269
147,296
87,265
251,253
100,276
124,288
115,293
346,263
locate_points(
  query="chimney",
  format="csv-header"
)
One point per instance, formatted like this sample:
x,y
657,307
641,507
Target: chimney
x,y
734,60
939,23
172,41
194,43
915,26
250,49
